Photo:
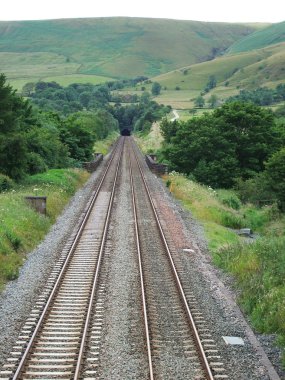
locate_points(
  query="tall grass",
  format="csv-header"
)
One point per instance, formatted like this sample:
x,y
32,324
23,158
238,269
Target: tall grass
x,y
259,267
22,228
103,146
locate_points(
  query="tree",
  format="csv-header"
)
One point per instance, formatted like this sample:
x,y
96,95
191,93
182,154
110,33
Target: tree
x,y
275,170
155,88
199,102
212,83
85,98
28,88
234,141
213,101
198,147
15,118
254,132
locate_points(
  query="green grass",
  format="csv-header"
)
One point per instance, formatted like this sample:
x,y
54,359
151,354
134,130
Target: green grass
x,y
103,146
150,142
270,35
22,228
259,267
264,67
259,270
115,47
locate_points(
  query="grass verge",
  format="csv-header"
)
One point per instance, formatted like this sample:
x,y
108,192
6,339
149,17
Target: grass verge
x,y
150,142
103,146
257,265
22,228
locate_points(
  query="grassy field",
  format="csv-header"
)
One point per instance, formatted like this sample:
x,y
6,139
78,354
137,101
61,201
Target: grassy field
x,y
21,68
110,47
264,67
21,227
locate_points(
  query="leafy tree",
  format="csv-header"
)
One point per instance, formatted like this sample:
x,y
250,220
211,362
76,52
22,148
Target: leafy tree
x,y
168,129
28,88
234,141
213,101
78,137
275,170
212,83
155,88
199,102
253,130
199,148
15,118
85,98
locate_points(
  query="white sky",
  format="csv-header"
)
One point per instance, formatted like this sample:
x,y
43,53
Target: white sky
x,y
201,10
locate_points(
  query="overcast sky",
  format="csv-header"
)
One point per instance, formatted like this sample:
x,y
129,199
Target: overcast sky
x,y
201,10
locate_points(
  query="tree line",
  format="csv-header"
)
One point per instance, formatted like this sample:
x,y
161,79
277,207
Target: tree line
x,y
56,127
261,96
238,142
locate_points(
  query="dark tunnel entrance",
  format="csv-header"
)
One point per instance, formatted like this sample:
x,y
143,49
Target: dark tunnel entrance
x,y
126,132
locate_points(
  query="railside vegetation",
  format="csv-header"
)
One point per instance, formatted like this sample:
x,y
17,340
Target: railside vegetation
x,y
257,263
253,200
21,227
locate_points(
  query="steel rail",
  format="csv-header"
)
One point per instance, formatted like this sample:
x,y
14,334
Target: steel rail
x,y
150,365
62,272
201,351
97,272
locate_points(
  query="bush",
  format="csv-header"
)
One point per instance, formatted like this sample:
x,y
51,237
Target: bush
x,y
6,183
255,190
36,163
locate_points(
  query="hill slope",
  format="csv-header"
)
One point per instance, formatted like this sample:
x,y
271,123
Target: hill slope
x,y
273,34
112,47
248,70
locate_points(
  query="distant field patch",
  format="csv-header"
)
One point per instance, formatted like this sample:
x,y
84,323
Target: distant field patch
x,y
65,80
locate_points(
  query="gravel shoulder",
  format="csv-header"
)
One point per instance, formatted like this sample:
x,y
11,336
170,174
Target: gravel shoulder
x,y
16,301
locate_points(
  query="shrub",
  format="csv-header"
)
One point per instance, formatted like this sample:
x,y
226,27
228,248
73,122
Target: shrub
x,y
6,183
36,163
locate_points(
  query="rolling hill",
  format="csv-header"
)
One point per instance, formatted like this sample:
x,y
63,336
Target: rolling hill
x,y
271,35
249,69
109,47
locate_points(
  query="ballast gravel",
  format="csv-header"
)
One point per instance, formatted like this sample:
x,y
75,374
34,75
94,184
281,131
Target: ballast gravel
x,y
16,301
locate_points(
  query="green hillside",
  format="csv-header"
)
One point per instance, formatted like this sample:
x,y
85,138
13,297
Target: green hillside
x,y
248,70
273,34
109,47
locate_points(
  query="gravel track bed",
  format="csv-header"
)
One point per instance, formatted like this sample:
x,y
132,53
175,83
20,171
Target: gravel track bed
x,y
167,320
16,301
123,352
217,302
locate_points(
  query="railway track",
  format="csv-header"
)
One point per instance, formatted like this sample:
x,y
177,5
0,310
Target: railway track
x,y
53,339
170,325
61,338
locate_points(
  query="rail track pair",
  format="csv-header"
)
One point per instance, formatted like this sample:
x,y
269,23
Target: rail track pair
x,y
56,338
